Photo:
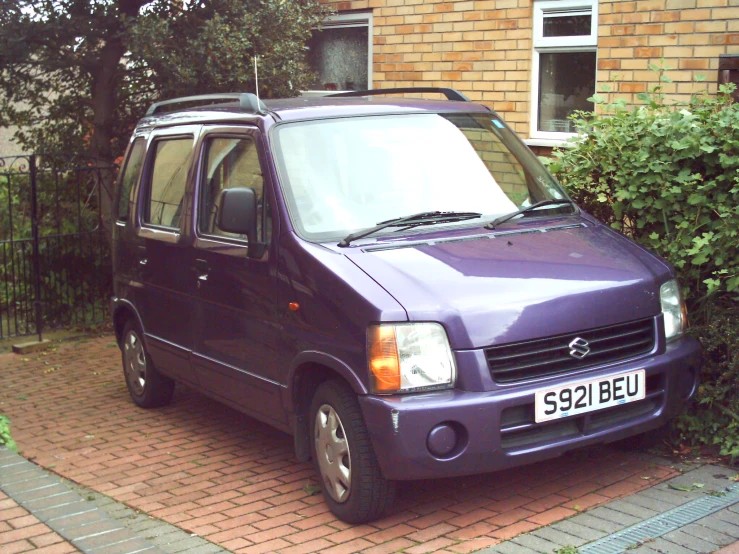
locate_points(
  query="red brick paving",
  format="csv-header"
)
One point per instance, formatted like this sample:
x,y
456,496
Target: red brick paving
x,y
22,532
235,481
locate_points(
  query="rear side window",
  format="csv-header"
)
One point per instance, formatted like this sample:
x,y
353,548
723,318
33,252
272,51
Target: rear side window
x,y
166,189
231,162
130,174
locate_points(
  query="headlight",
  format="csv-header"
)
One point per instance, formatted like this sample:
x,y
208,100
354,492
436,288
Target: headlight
x,y
409,357
673,309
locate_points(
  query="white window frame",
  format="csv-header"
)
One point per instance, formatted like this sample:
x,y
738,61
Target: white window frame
x,y
545,45
344,20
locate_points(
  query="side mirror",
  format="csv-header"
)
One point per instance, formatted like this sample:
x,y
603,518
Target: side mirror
x,y
238,214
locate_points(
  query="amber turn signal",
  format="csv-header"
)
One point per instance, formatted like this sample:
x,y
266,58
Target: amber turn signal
x,y
382,353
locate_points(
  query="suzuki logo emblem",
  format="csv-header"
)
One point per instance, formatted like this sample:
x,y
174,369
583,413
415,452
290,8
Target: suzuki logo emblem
x,y
579,348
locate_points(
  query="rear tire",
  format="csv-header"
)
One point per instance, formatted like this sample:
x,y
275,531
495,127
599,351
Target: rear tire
x,y
148,388
353,485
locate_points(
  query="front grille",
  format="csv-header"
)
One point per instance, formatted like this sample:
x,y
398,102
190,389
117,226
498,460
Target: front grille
x,y
511,363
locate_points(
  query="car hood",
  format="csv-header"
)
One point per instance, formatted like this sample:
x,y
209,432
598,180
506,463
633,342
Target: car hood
x,y
519,285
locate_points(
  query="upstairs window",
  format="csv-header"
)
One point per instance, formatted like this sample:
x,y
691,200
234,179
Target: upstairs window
x,y
341,54
564,64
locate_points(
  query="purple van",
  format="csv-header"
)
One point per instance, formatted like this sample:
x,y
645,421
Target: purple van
x,y
399,284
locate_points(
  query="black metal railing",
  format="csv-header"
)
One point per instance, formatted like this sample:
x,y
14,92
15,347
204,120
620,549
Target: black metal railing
x,y
54,251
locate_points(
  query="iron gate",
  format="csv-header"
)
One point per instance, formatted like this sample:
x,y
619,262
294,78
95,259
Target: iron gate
x,y
54,250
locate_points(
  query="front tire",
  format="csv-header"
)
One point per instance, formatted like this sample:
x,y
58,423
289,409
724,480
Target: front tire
x,y
353,484
148,388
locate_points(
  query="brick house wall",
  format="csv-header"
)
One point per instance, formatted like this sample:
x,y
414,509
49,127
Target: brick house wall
x,y
689,34
484,47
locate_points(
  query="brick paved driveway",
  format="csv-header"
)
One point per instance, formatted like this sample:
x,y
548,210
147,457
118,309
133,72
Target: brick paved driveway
x,y
235,481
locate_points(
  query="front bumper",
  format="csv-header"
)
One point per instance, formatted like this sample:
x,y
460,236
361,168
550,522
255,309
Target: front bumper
x,y
495,429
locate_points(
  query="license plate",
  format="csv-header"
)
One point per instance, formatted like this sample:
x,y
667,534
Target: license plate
x,y
587,396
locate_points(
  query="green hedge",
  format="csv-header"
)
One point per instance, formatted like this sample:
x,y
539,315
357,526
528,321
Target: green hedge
x,y
5,438
714,417
667,176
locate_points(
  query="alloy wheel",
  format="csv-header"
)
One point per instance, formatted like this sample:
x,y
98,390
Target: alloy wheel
x,y
332,451
135,362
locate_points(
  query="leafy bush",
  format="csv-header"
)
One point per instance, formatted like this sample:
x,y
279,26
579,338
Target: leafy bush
x,y
5,438
714,419
668,177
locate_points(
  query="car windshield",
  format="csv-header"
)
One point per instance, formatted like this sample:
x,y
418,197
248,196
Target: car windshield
x,y
347,174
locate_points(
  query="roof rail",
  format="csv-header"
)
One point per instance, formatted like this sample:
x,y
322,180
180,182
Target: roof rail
x,y
245,100
450,93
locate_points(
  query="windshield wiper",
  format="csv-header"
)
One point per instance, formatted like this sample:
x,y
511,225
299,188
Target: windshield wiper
x,y
502,219
423,218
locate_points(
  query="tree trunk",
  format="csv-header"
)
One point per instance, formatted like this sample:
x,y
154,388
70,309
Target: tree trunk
x,y
105,81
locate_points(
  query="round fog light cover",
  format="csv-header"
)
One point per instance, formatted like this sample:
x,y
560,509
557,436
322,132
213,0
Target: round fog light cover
x,y
686,383
441,440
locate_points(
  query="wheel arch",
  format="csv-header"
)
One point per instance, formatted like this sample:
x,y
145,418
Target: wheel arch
x,y
123,310
308,371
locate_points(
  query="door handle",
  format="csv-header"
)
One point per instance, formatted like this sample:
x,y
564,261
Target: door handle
x,y
202,268
142,255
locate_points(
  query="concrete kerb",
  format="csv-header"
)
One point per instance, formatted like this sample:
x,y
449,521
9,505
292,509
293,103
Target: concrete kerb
x,y
91,521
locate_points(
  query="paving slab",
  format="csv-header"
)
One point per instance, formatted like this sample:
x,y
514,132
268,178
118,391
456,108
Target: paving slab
x,y
631,509
727,529
706,533
558,537
651,503
599,524
533,542
28,347
662,546
699,519
578,531
511,548
615,516
691,542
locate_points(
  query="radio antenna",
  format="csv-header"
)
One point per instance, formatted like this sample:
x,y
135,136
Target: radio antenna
x,y
256,76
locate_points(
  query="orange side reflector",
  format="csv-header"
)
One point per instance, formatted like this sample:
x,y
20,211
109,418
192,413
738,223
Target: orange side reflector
x,y
383,358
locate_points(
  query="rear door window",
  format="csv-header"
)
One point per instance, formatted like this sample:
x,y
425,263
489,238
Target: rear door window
x,y
166,191
129,176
